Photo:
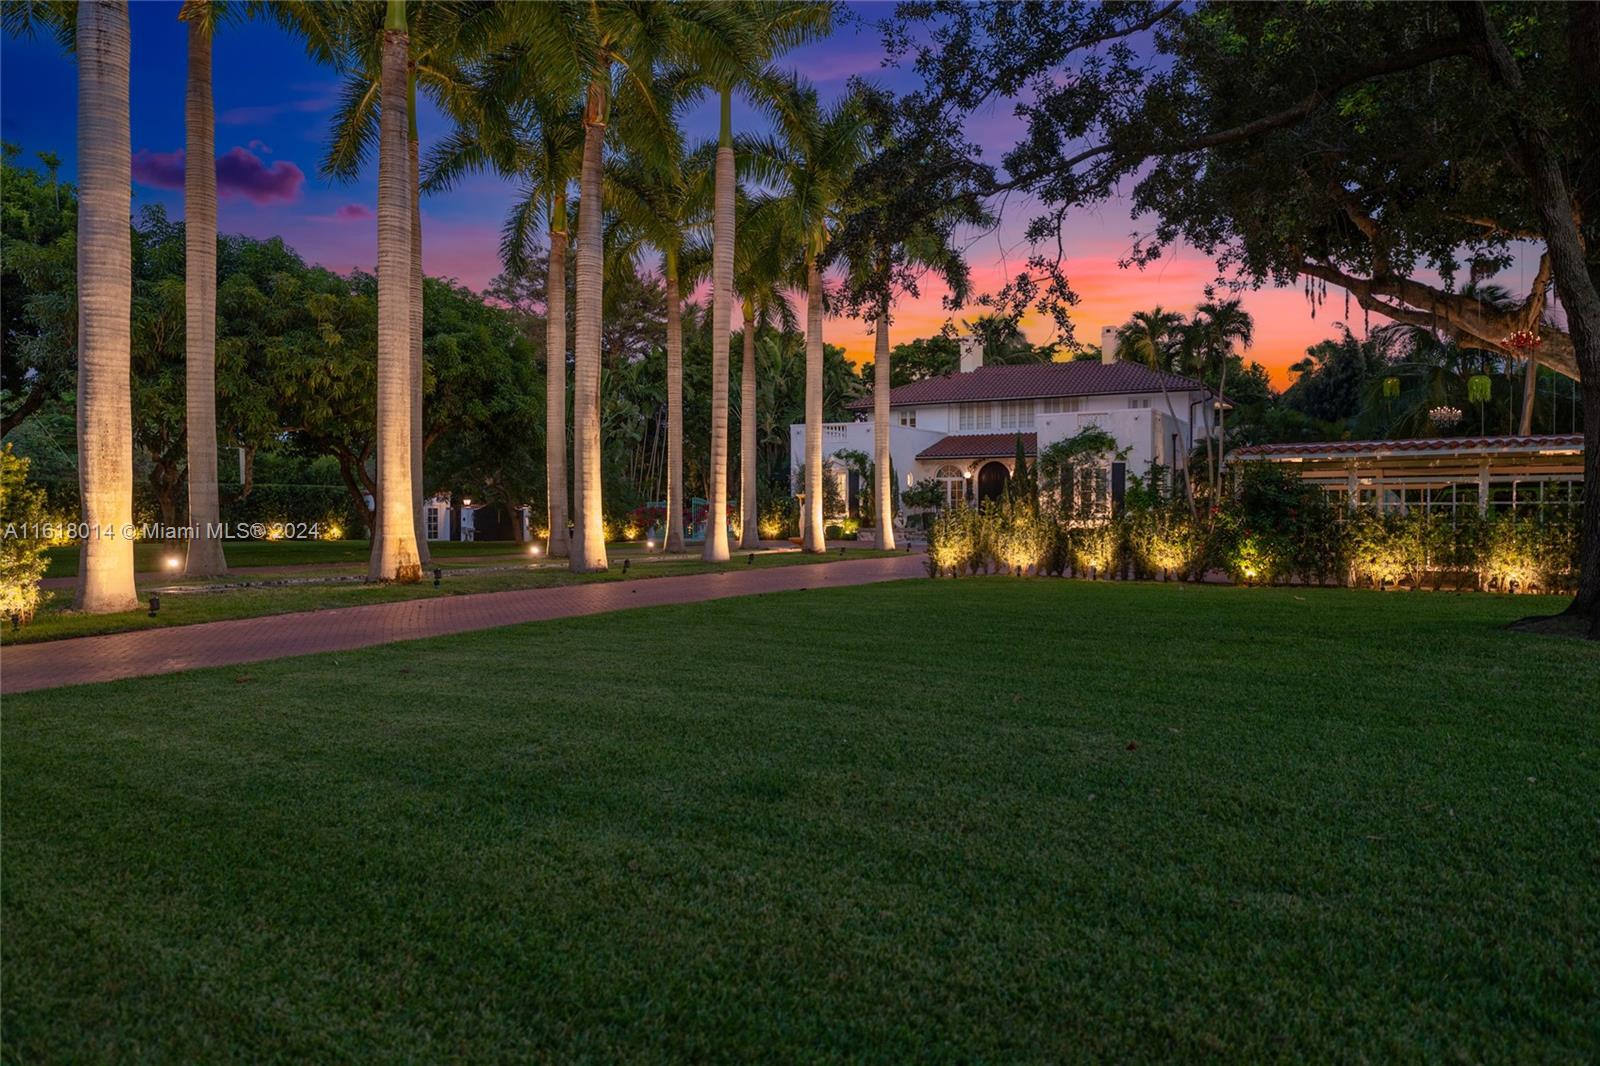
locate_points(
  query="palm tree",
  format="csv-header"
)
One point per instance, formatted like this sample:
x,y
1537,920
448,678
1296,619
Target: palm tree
x,y
443,37
203,555
394,549
811,165
760,284
661,197
730,52
1155,338
1217,325
105,308
533,134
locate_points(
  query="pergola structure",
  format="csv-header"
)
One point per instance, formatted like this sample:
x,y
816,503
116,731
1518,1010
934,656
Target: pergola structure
x,y
1438,473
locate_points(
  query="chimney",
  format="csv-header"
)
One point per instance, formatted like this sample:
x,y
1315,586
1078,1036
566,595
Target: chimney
x,y
1108,344
971,353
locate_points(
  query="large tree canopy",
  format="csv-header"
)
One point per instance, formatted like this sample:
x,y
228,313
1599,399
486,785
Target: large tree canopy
x,y
1357,145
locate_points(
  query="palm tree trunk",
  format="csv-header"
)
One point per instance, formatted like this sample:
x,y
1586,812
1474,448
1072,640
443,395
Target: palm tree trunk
x,y
589,551
555,406
105,309
673,538
1222,429
883,468
203,555
749,508
394,551
716,548
419,515
811,533
1530,394
1180,462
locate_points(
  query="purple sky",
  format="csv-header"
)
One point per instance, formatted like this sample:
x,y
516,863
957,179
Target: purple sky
x,y
274,107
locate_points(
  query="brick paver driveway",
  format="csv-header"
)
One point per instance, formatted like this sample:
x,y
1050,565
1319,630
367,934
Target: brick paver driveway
x,y
246,640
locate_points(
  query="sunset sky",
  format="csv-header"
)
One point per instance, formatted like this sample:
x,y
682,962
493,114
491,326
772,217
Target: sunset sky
x,y
274,106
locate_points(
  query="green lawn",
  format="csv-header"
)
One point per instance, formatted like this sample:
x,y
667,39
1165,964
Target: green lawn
x,y
152,556
975,820
57,621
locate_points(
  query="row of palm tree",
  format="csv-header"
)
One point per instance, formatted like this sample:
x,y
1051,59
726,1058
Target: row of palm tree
x,y
554,94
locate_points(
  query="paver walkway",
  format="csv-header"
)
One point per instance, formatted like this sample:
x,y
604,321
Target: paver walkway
x,y
82,660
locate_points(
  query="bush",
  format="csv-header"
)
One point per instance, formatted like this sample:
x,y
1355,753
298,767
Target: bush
x,y
778,517
1166,540
1022,537
1095,548
24,517
1521,553
953,541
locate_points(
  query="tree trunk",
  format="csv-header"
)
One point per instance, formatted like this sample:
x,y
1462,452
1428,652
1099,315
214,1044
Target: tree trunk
x,y
555,404
589,549
203,555
811,532
749,505
413,146
394,552
716,547
105,309
672,539
1222,430
1575,282
882,466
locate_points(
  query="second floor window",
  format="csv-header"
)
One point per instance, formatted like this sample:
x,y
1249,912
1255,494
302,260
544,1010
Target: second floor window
x,y
974,416
1138,403
908,417
1016,414
1061,404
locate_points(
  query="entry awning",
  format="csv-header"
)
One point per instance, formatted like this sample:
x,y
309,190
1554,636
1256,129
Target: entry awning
x,y
980,446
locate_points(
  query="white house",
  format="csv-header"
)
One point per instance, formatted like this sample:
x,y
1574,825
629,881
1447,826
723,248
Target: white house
x,y
961,429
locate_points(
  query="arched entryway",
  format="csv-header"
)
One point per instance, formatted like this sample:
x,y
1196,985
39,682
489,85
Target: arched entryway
x,y
992,481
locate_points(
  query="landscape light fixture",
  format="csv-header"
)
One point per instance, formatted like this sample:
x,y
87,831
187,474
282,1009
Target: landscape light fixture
x,y
172,562
649,545
625,563
438,575
155,604
752,560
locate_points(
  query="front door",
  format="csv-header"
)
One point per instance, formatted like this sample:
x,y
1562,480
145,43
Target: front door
x,y
992,481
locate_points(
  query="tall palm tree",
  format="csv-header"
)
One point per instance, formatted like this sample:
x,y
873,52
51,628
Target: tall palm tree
x,y
394,549
760,285
105,305
811,164
203,555
532,133
1154,338
1217,326
661,197
613,49
443,37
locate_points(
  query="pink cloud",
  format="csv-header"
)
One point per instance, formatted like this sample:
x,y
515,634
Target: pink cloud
x,y
346,213
160,170
239,173
258,145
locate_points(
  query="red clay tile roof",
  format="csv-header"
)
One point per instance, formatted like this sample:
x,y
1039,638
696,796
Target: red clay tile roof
x,y
1421,444
980,446
1034,381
